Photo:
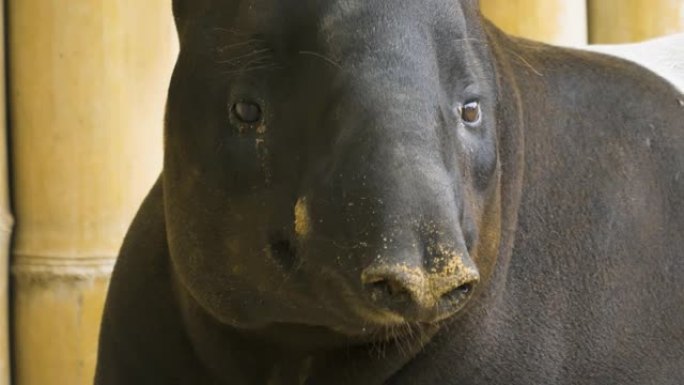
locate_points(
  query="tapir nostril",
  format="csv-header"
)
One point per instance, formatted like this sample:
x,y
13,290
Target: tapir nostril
x,y
459,293
390,286
387,286
396,288
465,288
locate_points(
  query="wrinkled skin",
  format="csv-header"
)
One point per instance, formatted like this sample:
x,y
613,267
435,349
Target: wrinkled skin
x,y
365,230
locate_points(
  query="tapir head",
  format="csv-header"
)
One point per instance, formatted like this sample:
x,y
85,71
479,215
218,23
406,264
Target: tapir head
x,y
332,163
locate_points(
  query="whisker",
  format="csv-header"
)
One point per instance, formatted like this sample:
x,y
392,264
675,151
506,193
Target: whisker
x,y
473,39
237,59
322,57
226,47
245,70
525,62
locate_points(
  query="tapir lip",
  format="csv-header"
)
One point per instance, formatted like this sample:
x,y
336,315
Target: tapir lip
x,y
386,332
352,334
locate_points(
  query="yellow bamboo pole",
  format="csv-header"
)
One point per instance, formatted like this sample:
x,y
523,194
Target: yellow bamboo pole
x,y
6,220
561,22
622,21
87,90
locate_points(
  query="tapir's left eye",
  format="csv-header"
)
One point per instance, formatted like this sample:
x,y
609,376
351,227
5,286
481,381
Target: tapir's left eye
x,y
470,112
247,112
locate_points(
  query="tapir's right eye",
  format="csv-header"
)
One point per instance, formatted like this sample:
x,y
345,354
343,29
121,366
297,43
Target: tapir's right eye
x,y
247,112
470,113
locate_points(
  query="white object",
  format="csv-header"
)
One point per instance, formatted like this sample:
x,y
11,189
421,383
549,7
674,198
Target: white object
x,y
663,55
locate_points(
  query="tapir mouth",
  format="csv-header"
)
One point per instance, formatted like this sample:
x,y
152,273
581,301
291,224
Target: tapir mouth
x,y
389,332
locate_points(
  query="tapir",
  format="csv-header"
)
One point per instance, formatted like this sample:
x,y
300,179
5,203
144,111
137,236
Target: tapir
x,y
397,192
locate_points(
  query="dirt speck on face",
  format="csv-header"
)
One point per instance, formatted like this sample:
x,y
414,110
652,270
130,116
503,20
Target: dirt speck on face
x,y
302,221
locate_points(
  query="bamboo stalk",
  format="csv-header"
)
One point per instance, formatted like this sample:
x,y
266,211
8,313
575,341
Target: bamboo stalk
x,y
561,22
6,220
622,21
88,82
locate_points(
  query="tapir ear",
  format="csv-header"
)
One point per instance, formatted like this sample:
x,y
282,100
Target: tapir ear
x,y
180,8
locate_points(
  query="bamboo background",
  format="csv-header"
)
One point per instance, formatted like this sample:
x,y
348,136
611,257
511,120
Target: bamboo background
x,y
86,93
